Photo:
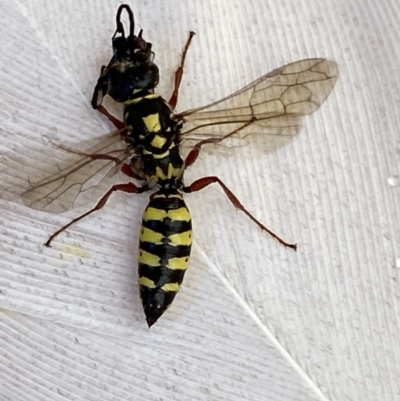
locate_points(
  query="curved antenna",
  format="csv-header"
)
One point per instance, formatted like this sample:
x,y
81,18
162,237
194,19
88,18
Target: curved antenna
x,y
120,26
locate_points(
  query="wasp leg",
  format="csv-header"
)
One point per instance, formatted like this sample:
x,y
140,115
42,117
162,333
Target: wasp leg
x,y
205,181
179,73
129,187
194,153
127,170
119,124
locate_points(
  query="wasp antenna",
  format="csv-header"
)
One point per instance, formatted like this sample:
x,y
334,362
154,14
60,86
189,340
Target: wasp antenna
x,y
120,27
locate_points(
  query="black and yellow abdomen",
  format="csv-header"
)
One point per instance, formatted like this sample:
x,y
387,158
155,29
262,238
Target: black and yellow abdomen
x,y
164,250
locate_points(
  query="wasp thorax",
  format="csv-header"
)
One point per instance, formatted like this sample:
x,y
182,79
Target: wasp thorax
x,y
125,78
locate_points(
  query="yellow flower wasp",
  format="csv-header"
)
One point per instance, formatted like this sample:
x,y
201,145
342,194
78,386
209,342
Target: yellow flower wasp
x,y
147,148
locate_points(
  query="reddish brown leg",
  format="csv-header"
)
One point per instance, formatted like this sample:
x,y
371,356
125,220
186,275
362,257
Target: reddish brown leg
x,y
119,124
129,187
179,72
127,170
205,181
194,153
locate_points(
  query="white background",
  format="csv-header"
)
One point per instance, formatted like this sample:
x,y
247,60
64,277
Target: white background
x,y
253,321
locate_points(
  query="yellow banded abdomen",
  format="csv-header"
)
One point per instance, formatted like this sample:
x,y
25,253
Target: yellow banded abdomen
x,y
164,251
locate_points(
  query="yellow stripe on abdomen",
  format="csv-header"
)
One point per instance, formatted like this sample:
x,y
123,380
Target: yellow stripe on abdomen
x,y
178,263
147,282
149,259
148,235
151,213
165,244
181,238
181,214
171,287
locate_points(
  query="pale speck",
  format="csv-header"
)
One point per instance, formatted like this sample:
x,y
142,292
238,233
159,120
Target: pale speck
x,y
394,180
398,263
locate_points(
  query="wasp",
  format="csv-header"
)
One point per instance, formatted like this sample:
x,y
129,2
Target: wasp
x,y
147,148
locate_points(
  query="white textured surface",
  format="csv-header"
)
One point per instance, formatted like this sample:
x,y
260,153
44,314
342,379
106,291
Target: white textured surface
x,y
253,320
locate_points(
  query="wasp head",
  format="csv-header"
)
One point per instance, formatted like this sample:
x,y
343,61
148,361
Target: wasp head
x,y
131,68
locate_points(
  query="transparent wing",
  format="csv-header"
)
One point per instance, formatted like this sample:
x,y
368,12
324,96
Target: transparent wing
x,y
77,178
272,106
